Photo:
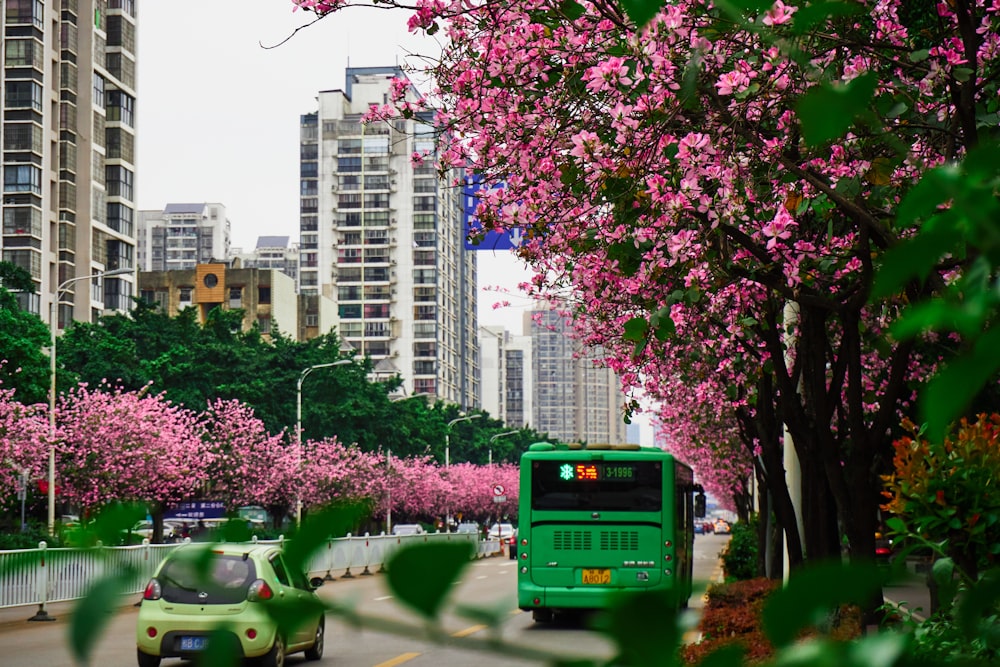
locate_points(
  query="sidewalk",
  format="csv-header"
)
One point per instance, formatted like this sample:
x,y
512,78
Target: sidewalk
x,y
17,618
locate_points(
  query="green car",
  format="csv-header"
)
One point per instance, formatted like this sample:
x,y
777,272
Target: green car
x,y
243,599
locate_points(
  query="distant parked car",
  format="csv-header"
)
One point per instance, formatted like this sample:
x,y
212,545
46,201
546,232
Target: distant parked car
x,y
502,531
468,527
722,527
699,528
407,529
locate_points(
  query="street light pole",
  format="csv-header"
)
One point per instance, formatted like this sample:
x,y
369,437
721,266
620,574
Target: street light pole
x,y
447,454
499,435
53,325
298,429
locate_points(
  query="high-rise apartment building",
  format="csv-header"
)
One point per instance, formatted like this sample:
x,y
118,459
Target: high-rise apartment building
x,y
271,252
182,236
382,236
505,364
573,400
68,136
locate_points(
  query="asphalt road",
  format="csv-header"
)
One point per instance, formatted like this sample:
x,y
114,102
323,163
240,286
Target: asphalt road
x,y
488,583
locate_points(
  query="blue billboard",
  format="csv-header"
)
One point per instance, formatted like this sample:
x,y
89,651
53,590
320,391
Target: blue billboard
x,y
491,240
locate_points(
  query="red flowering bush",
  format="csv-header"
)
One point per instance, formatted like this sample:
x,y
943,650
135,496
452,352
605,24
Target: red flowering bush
x,y
945,492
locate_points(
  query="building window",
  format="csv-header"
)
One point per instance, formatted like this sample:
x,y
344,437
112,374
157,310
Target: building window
x,y
263,295
185,295
98,88
119,181
312,320
22,178
23,95
264,323
22,137
23,53
25,12
121,107
120,218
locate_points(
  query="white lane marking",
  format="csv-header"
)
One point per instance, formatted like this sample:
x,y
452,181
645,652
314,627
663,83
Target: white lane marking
x,y
384,597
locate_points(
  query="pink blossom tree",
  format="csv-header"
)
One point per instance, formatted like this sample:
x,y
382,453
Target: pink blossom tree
x,y
24,440
696,193
246,465
128,446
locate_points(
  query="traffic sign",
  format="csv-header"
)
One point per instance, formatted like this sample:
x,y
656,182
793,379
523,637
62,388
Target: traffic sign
x,y
498,489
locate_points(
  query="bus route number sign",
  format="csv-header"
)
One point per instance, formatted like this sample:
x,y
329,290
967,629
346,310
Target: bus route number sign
x,y
596,472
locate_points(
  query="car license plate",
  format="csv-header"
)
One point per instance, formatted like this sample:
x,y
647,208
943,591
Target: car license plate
x,y
194,643
600,575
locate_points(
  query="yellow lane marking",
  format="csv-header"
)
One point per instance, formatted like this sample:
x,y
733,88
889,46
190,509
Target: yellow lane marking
x,y
468,631
398,660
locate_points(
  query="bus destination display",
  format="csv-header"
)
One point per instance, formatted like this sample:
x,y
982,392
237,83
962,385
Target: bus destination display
x,y
598,472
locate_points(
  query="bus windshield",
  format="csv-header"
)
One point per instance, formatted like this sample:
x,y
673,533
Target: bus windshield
x,y
597,485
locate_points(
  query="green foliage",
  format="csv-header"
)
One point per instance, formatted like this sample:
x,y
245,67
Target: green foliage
x,y
423,576
811,594
944,491
739,559
23,365
828,110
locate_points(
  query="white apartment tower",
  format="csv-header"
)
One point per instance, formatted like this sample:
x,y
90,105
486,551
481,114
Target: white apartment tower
x,y
573,399
68,136
182,236
383,238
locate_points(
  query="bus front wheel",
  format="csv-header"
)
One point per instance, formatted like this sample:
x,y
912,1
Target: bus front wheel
x,y
541,615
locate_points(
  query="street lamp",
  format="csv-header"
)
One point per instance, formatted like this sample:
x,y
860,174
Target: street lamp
x,y
447,454
53,324
499,435
298,427
447,437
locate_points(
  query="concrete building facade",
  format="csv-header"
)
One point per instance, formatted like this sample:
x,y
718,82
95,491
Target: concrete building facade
x,y
383,238
182,236
68,94
267,296
573,400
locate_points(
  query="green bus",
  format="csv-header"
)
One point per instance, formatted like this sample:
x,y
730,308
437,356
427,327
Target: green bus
x,y
598,520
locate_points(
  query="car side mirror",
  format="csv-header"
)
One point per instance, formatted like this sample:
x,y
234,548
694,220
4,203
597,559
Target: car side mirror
x,y
699,506
316,582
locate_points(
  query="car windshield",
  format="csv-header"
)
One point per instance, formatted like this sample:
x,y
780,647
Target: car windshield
x,y
225,581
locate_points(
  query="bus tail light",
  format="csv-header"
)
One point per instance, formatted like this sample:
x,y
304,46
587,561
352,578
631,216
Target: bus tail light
x,y
668,572
524,541
524,556
536,601
668,544
668,558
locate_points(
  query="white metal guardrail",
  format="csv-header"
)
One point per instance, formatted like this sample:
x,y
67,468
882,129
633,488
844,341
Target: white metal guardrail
x,y
41,576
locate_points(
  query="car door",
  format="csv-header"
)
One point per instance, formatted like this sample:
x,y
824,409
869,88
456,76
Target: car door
x,y
298,603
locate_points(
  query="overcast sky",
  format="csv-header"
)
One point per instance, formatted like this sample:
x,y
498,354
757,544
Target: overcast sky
x,y
218,114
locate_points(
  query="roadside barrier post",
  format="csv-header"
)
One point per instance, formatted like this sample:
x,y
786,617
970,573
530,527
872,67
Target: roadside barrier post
x,y
43,581
368,557
350,557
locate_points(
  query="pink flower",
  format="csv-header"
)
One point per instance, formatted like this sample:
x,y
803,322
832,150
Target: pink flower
x,y
779,227
584,144
779,14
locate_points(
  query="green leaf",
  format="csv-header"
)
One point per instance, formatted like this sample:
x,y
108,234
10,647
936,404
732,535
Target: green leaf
x,y
812,593
317,528
642,11
422,575
827,111
912,258
571,9
93,613
935,187
953,388
636,329
809,16
223,649
644,627
662,324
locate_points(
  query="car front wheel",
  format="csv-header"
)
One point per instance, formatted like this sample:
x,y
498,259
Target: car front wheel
x,y
315,652
147,660
276,656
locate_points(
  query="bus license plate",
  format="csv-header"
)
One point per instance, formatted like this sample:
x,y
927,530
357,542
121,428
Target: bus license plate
x,y
601,575
194,643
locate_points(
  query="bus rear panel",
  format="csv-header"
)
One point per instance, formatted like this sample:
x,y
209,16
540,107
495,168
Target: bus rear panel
x,y
597,522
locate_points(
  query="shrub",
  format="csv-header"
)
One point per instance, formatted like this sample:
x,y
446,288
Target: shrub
x,y
739,559
732,616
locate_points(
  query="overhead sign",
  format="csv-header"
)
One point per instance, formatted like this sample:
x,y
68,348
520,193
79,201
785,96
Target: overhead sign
x,y
490,240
